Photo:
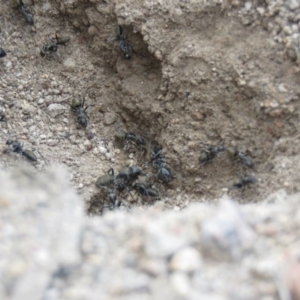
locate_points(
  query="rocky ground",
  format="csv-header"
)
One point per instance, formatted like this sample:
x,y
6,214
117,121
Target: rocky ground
x,y
50,249
223,73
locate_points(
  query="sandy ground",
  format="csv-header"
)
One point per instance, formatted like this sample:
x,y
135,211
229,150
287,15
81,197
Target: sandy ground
x,y
200,74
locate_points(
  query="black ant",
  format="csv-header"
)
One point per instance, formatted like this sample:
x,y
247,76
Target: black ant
x,y
28,17
2,116
244,159
80,111
137,139
145,190
163,174
2,53
244,181
126,177
123,43
107,179
17,147
52,45
209,152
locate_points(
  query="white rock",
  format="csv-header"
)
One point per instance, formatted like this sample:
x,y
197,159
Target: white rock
x,y
109,118
293,4
69,63
55,109
248,5
282,88
295,28
288,30
261,10
176,208
87,143
8,64
108,155
55,106
95,151
52,142
54,83
180,283
102,150
186,260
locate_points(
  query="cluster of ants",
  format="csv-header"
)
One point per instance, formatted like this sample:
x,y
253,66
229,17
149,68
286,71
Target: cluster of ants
x,y
127,179
78,106
209,152
114,185
15,145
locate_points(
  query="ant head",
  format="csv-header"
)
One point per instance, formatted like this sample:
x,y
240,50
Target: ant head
x,y
9,142
2,53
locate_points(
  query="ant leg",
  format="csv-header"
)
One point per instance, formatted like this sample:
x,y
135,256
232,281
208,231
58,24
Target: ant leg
x,y
111,172
73,108
82,102
146,192
131,195
55,54
41,156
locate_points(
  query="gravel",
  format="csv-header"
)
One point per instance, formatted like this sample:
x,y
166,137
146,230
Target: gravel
x,y
51,250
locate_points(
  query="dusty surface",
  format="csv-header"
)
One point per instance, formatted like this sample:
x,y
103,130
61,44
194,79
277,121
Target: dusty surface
x,y
203,73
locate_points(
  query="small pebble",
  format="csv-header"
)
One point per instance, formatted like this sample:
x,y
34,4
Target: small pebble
x,y
282,88
176,208
95,151
109,118
102,150
87,143
108,155
52,142
186,260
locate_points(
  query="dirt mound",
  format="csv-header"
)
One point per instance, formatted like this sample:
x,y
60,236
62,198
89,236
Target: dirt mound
x,y
200,74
